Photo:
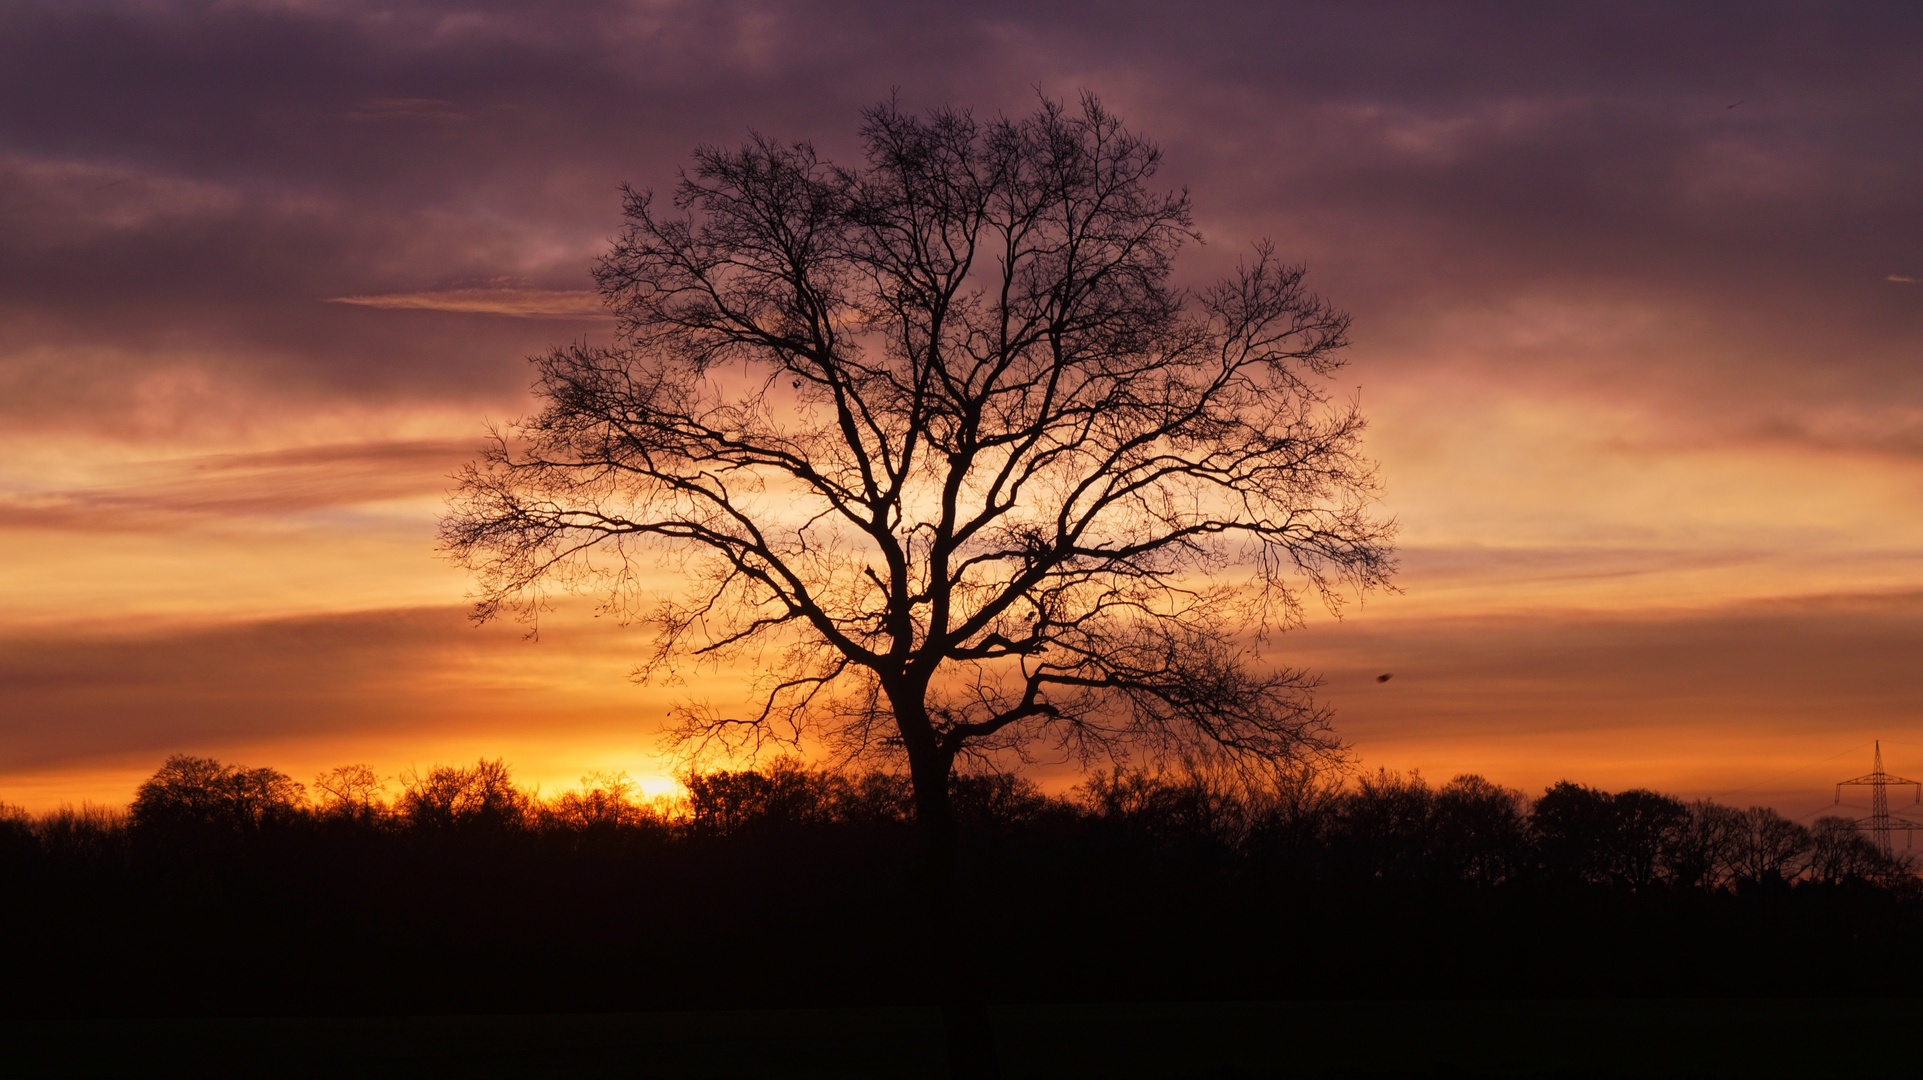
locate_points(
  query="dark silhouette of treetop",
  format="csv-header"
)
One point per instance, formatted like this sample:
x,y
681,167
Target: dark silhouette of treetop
x,y
198,793
939,427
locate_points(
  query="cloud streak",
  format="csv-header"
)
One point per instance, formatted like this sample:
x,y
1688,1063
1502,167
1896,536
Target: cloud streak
x,y
515,303
256,485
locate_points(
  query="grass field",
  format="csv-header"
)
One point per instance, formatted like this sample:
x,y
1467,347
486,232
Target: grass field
x,y
1602,1038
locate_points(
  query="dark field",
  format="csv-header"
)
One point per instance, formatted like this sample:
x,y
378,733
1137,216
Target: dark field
x,y
1496,1038
777,924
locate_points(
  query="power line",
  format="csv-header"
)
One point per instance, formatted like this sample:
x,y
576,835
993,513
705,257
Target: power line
x,y
1759,786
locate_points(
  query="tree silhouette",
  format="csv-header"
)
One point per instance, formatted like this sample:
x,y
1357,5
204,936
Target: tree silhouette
x,y
352,792
1479,829
1387,824
1768,846
197,794
1839,852
604,801
781,795
1649,827
449,797
17,839
1575,828
941,428
1704,845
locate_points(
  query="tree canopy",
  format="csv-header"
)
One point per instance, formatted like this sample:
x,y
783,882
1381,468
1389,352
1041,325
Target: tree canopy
x,y
941,427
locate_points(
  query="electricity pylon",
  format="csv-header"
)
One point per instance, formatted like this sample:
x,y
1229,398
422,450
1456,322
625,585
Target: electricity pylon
x,y
1880,821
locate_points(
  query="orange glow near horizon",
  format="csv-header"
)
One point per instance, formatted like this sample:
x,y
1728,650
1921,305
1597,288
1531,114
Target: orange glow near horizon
x,y
303,578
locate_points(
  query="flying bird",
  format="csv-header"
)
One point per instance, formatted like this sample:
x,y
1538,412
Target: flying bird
x,y
1737,103
1384,678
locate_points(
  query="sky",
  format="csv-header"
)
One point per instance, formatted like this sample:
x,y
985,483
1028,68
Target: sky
x,y
1638,301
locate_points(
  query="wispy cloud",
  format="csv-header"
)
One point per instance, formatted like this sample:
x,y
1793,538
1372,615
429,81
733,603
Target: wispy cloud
x,y
515,303
147,496
407,109
1901,278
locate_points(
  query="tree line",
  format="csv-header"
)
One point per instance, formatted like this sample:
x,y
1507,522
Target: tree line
x,y
1382,825
226,889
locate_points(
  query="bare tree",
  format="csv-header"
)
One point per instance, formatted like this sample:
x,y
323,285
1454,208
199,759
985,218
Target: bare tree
x,y
1480,829
1768,848
450,797
604,801
354,792
201,793
940,427
1840,852
1704,851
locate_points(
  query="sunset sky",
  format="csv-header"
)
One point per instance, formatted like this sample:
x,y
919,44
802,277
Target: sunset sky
x,y
1638,300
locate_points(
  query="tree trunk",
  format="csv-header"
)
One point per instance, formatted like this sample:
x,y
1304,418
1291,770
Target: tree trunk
x,y
952,966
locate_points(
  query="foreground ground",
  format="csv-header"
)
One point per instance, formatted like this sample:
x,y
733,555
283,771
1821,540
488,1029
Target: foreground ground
x,y
1498,1038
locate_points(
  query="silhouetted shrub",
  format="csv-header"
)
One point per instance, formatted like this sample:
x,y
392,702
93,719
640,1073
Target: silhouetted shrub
x,y
997,801
875,799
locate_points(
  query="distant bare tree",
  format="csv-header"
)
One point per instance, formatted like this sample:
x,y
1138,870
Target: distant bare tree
x,y
449,796
941,427
1189,803
1479,829
351,791
1649,827
1840,852
1704,848
1768,847
198,792
1387,824
781,794
1574,828
605,800
87,831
